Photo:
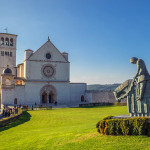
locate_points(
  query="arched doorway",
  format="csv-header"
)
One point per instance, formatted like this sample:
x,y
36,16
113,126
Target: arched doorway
x,y
15,101
44,98
51,97
82,98
48,94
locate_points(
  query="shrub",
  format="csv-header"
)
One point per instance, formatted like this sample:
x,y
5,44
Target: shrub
x,y
129,126
120,104
97,125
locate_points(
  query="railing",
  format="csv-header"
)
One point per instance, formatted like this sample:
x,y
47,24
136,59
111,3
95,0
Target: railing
x,y
19,82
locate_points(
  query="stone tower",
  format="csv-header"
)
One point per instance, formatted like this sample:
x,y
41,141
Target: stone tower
x,y
8,52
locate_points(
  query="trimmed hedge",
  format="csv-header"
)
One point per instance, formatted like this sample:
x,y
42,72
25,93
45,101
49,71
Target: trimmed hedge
x,y
96,104
120,104
129,126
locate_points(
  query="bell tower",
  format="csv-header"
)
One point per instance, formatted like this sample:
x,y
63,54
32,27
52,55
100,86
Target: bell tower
x,y
8,52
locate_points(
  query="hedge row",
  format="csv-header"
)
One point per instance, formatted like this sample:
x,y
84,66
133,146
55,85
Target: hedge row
x,y
130,126
121,104
96,104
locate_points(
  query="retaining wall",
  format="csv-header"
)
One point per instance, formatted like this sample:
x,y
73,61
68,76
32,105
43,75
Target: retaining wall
x,y
5,121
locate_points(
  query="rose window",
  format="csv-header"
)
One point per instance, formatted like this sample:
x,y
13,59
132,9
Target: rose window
x,y
48,71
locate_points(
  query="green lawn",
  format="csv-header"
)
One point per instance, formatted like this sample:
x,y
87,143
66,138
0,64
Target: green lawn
x,y
69,129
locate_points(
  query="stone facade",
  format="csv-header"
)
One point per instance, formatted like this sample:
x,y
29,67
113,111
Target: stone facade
x,y
42,78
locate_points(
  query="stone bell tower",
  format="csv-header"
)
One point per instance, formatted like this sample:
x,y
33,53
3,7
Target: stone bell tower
x,y
8,52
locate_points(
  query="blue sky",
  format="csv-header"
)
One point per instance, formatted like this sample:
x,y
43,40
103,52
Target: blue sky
x,y
100,35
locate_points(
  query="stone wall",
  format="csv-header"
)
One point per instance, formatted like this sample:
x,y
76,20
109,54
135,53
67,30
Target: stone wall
x,y
4,122
9,94
99,96
76,91
37,108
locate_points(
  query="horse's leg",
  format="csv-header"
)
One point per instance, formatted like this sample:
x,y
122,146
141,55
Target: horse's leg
x,y
142,89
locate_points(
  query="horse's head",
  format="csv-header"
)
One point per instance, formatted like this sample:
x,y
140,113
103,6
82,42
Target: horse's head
x,y
121,91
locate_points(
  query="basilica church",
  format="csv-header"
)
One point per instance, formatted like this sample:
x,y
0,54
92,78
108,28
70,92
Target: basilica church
x,y
43,78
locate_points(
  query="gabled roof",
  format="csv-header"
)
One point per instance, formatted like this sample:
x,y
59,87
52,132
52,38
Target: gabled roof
x,y
46,43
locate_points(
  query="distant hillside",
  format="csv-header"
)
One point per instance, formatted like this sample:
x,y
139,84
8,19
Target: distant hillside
x,y
99,87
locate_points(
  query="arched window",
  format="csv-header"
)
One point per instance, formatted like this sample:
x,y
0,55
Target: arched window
x,y
7,82
2,53
15,101
6,53
10,54
82,98
2,41
7,41
11,42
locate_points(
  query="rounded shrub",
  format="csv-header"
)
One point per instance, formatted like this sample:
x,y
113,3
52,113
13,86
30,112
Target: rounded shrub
x,y
129,126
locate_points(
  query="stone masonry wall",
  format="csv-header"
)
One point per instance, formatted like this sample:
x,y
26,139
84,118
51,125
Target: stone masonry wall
x,y
100,97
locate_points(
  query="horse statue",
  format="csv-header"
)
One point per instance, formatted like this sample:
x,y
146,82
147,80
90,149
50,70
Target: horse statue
x,y
121,91
136,90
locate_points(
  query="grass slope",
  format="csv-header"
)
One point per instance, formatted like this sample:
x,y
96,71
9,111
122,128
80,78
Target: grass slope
x,y
69,129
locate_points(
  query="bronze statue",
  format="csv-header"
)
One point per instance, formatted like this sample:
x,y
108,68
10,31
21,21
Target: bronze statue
x,y
136,90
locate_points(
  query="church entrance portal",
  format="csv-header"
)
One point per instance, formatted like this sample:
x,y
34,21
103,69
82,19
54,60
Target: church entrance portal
x,y
51,97
44,98
48,95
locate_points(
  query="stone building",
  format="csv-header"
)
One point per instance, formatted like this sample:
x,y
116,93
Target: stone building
x,y
42,78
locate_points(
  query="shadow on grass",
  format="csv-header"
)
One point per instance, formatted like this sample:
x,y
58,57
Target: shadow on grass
x,y
23,118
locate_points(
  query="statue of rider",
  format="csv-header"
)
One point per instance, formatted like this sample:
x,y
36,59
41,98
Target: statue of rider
x,y
141,77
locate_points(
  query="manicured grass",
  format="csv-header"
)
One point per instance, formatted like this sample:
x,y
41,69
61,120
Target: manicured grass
x,y
69,129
